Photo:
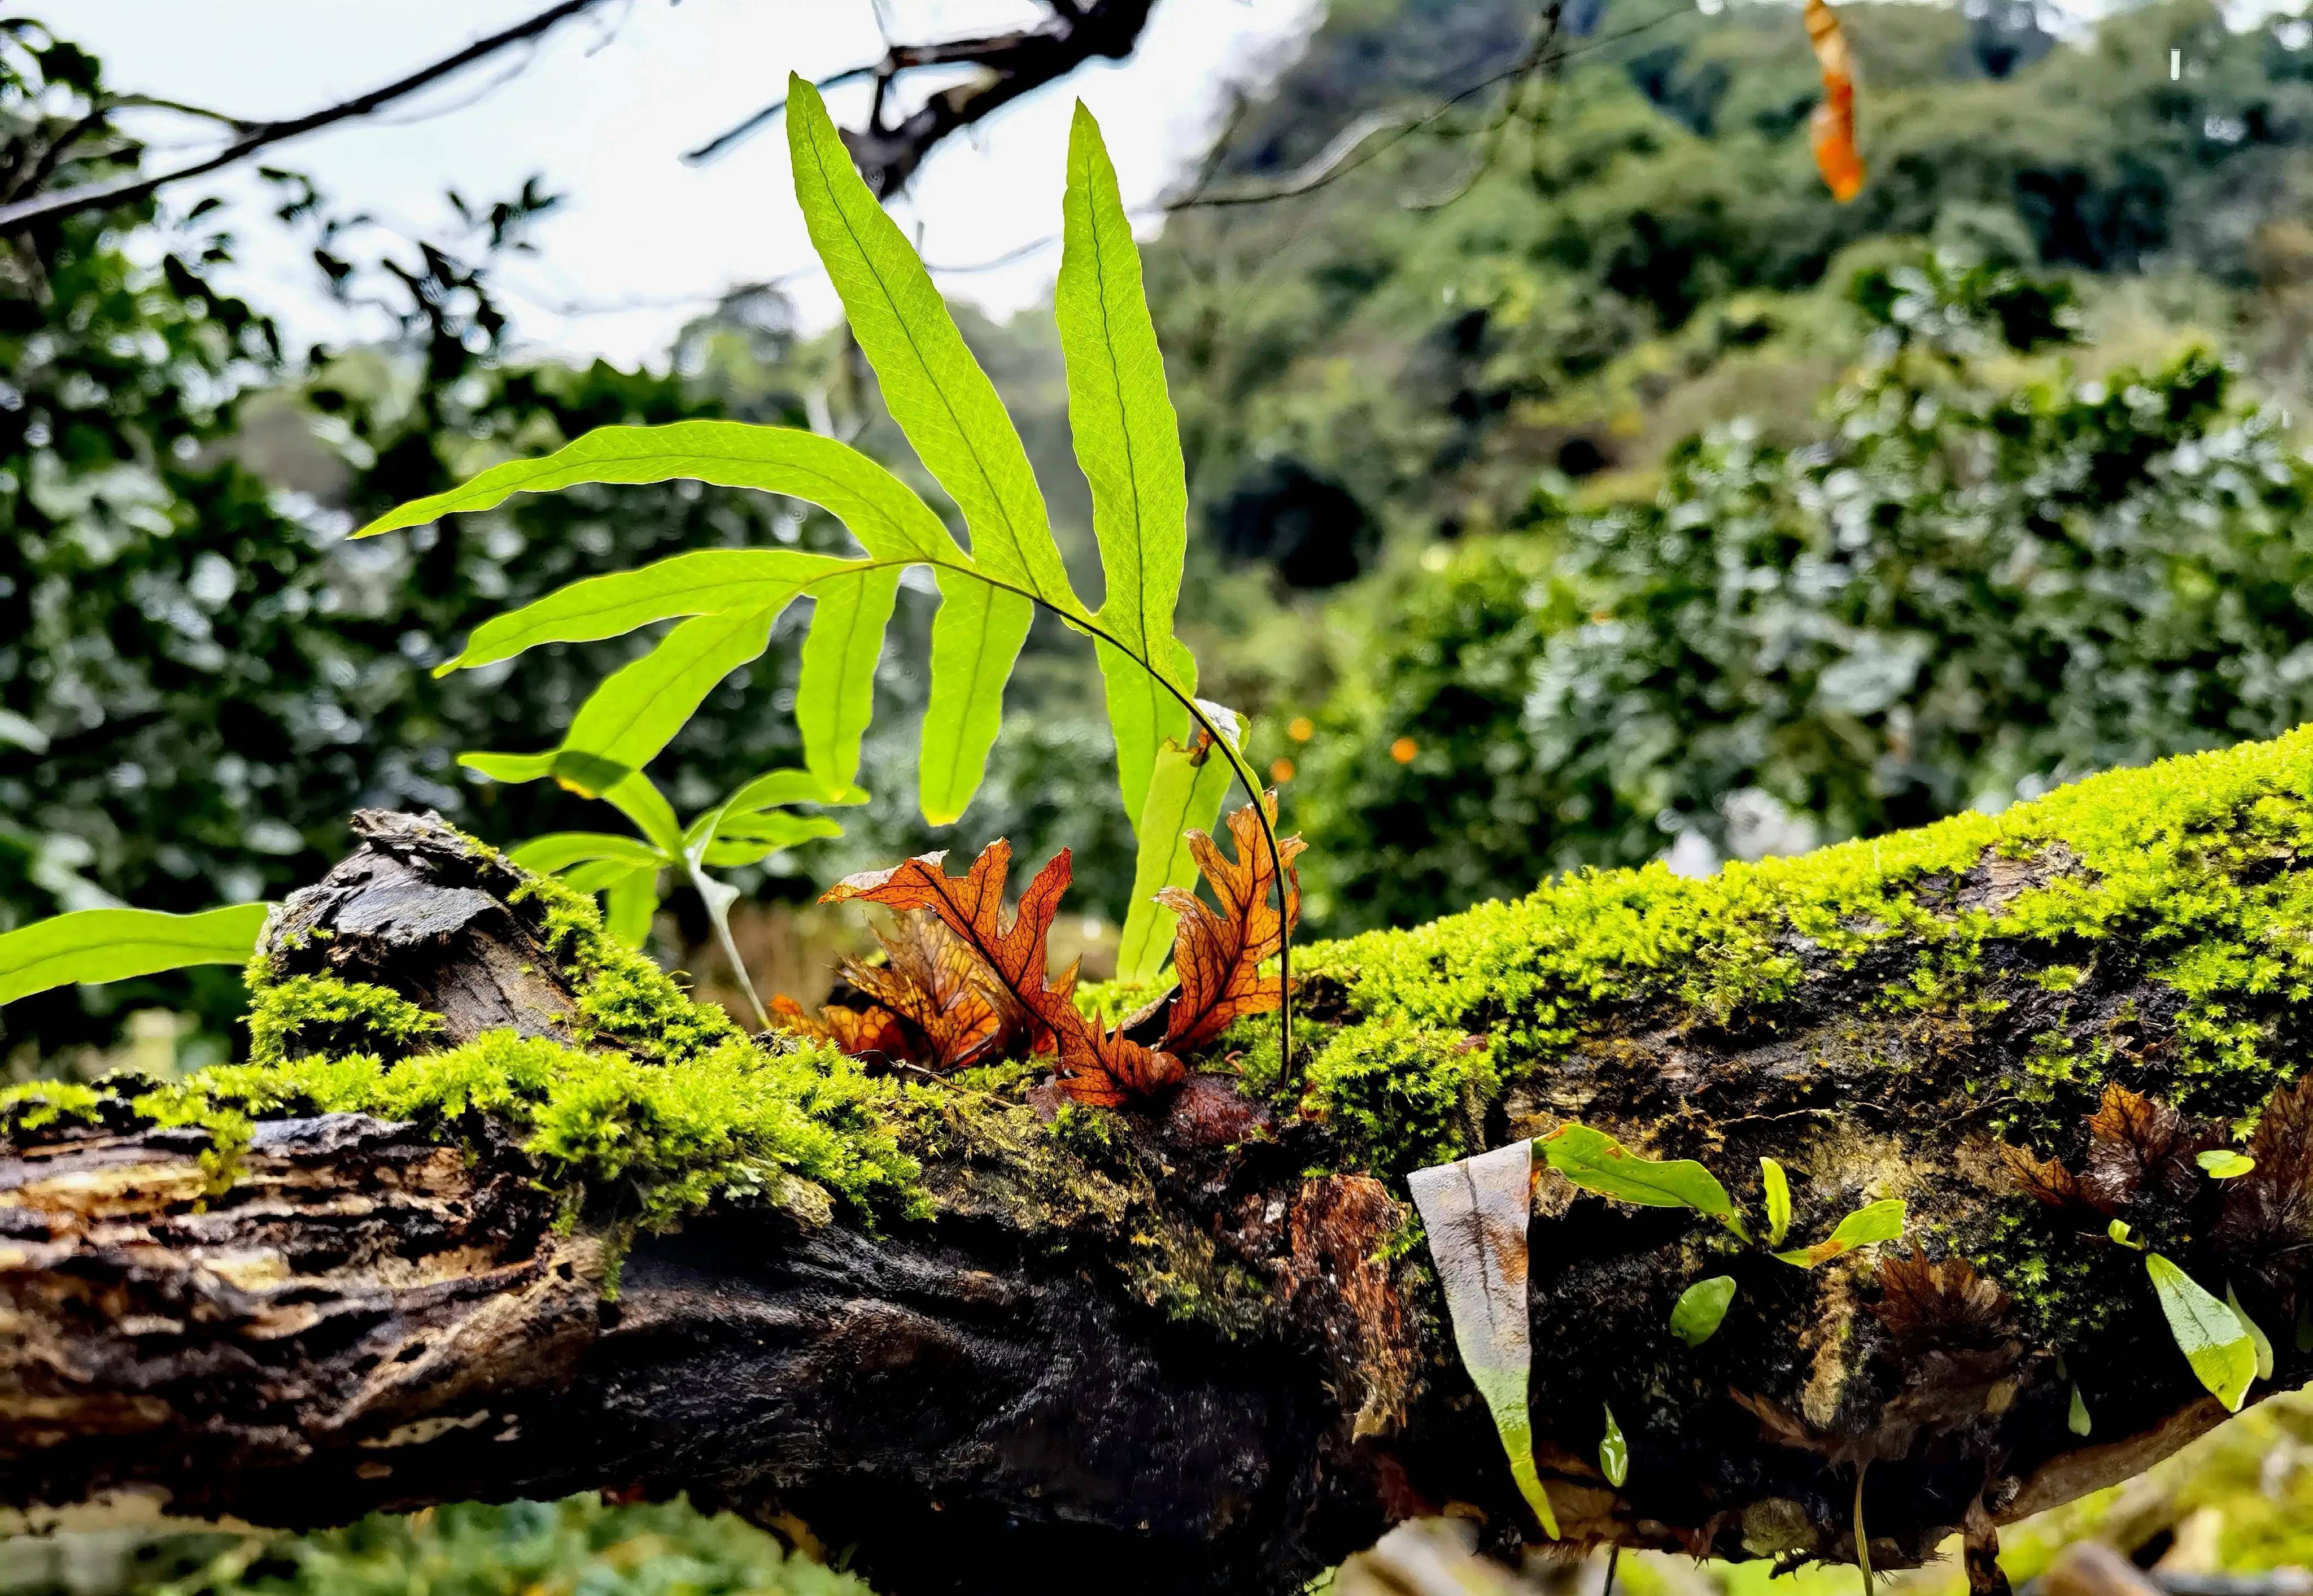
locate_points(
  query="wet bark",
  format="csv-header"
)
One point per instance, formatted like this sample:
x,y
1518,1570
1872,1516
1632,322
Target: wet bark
x,y
1182,1363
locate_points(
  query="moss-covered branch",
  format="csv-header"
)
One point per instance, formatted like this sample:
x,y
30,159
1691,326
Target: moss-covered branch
x,y
495,1209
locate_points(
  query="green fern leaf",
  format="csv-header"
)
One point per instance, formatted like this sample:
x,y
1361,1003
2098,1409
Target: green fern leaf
x,y
1128,442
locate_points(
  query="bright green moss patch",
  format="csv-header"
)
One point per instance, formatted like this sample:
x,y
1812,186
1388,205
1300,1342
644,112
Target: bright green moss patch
x,y
1400,1095
666,1107
644,1142
2185,857
297,1015
622,996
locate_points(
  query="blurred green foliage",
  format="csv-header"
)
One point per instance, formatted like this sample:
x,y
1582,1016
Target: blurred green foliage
x,y
581,1546
1987,576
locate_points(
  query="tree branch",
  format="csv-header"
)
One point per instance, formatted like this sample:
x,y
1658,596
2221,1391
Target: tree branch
x,y
253,137
1197,1345
1011,64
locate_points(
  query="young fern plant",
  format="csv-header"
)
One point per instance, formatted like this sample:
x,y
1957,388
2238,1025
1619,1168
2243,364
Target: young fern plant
x,y
1175,753
745,828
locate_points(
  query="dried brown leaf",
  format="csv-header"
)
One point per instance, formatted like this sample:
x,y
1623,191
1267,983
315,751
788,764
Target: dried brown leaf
x,y
1939,1306
1095,1066
860,1032
934,985
1217,955
2047,1180
2267,1222
2135,1143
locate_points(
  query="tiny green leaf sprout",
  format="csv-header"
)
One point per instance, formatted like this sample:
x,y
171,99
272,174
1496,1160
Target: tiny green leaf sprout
x,y
1175,751
2076,1420
1614,1452
2120,1232
1778,1188
1701,1309
2222,1163
1874,1221
745,828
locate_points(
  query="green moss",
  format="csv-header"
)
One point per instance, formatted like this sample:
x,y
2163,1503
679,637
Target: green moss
x,y
1401,1096
667,1107
648,1142
293,1016
2174,855
622,997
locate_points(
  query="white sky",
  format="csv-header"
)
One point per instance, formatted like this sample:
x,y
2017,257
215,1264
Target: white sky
x,y
606,106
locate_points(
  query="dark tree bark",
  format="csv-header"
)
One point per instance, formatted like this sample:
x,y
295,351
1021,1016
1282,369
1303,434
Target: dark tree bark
x,y
1179,1362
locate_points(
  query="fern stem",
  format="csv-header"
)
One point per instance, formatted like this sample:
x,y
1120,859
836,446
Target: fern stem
x,y
721,918
1862,1540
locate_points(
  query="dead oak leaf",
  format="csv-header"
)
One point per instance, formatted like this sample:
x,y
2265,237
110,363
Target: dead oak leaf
x,y
1218,953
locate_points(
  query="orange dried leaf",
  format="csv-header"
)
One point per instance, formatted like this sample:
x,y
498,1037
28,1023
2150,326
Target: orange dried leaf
x,y
1095,1066
931,980
1217,955
2045,1179
858,1032
971,906
1833,127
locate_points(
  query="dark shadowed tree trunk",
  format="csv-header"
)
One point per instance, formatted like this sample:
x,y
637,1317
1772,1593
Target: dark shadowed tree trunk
x,y
1197,1345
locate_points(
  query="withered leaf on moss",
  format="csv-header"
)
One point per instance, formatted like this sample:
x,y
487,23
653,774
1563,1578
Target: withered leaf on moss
x,y
2135,1143
931,983
1095,1065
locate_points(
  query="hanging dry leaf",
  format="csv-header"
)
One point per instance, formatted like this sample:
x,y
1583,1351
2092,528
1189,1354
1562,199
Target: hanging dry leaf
x,y
1475,1210
1095,1066
1833,127
1217,955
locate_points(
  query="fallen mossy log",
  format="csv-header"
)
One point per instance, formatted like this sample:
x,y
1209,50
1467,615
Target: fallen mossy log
x,y
495,1211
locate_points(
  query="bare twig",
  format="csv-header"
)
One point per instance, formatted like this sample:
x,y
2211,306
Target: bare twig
x,y
1010,64
257,136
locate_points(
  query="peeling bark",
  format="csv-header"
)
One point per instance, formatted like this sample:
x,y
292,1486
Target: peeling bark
x,y
1180,1359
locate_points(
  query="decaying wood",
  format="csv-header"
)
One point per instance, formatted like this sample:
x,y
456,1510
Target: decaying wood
x,y
1217,1373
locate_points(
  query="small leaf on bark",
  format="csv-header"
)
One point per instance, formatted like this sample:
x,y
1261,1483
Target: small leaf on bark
x,y
2210,1334
1779,1201
1874,1221
1596,1162
1614,1452
1700,1309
